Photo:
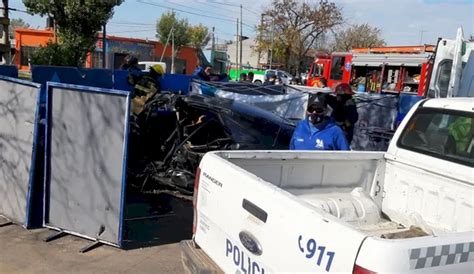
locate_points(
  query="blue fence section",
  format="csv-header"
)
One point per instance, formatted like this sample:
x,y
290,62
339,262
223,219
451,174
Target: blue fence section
x,y
101,78
178,83
21,171
120,80
10,71
97,117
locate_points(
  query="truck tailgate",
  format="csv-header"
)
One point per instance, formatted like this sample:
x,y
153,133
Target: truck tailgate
x,y
246,224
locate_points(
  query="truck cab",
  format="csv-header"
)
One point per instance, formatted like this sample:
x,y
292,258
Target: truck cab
x,y
335,68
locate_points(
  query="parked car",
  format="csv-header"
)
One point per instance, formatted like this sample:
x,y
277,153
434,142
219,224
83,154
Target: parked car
x,y
258,75
285,77
172,134
145,65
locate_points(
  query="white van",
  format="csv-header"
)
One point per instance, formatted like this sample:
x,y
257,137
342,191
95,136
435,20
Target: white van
x,y
145,65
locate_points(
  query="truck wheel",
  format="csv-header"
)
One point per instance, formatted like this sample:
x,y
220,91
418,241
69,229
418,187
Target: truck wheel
x,y
257,82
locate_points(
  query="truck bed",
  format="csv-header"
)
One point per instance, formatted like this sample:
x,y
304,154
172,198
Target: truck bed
x,y
347,186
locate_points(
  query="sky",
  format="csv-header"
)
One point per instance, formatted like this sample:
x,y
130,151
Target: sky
x,y
403,22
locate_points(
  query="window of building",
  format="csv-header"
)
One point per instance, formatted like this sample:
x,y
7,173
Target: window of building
x,y
443,134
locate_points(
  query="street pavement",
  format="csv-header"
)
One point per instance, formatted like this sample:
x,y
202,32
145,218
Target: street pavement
x,y
24,251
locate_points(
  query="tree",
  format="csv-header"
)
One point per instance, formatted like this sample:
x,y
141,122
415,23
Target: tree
x,y
17,24
166,23
295,27
198,37
184,34
169,22
78,22
358,36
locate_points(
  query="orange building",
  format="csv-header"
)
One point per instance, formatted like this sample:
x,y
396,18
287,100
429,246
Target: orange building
x,y
27,40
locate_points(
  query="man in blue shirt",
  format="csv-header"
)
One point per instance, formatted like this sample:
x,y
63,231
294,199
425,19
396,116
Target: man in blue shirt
x,y
318,131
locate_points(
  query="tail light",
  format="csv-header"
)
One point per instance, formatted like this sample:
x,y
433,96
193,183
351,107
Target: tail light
x,y
361,270
196,189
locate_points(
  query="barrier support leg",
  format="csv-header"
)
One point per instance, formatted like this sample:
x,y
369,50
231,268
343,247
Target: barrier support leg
x,y
55,236
91,246
6,224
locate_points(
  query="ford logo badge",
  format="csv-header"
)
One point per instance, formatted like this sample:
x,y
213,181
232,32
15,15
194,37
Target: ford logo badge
x,y
250,243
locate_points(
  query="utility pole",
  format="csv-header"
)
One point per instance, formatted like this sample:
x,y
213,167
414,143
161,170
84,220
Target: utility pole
x,y
271,49
172,51
260,39
237,50
241,38
421,36
104,46
5,48
213,45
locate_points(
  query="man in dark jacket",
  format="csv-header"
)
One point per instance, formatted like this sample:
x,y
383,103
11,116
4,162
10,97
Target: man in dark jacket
x,y
318,131
344,109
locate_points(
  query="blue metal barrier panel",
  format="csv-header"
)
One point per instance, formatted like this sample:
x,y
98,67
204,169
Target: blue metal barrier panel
x,y
177,83
101,78
19,183
9,70
86,144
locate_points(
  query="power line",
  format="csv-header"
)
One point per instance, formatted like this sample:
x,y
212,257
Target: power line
x,y
224,4
179,5
127,31
137,24
228,10
193,13
14,9
233,5
209,5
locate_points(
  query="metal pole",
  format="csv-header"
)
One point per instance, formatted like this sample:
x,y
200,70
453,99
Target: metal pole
x,y
213,48
237,52
271,49
241,38
172,51
166,45
421,36
260,39
6,39
104,47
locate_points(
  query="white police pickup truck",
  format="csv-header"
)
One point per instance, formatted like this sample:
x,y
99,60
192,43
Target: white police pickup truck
x,y
407,210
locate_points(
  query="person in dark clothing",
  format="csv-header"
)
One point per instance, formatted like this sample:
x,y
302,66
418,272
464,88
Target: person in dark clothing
x,y
271,80
250,76
146,87
130,64
344,109
205,74
243,77
318,131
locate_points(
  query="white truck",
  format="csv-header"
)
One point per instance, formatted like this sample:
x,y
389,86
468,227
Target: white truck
x,y
408,210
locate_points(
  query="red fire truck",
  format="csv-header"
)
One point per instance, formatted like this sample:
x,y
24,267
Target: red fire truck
x,y
391,69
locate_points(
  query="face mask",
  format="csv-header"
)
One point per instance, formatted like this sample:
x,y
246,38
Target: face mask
x,y
316,118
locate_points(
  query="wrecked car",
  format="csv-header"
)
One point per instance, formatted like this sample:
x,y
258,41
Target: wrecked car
x,y
169,138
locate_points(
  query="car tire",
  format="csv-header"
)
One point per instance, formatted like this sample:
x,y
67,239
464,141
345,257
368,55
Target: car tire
x,y
257,82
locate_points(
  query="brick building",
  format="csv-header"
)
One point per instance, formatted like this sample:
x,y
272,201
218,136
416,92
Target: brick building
x,y
28,40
